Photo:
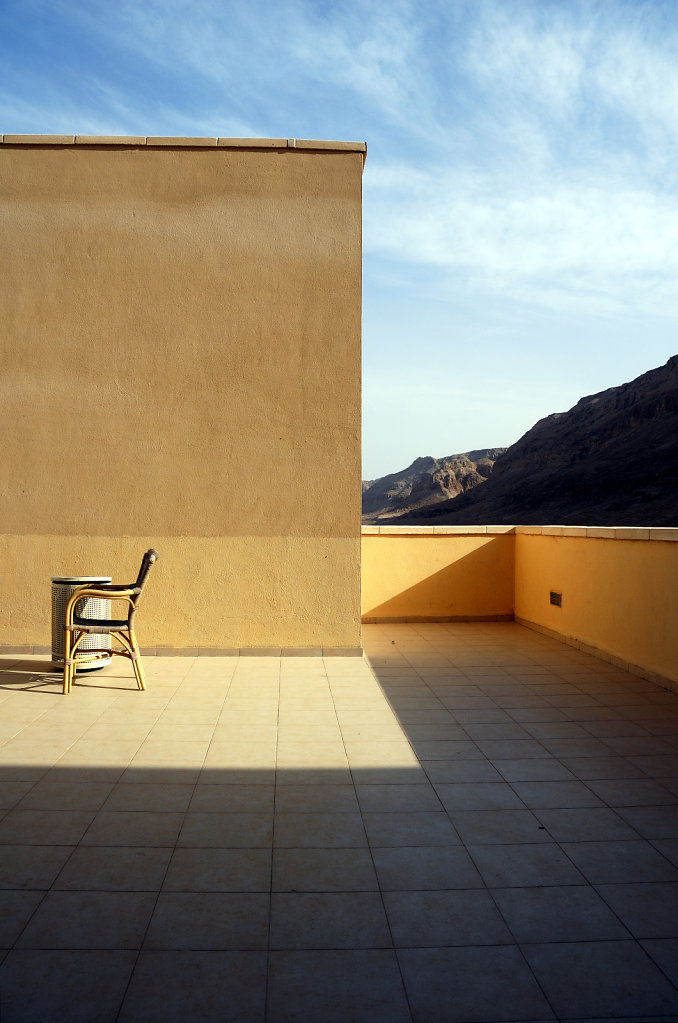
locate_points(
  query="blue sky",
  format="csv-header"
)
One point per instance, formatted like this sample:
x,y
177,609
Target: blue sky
x,y
520,192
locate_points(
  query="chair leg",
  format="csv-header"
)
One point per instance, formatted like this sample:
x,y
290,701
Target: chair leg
x,y
67,666
136,661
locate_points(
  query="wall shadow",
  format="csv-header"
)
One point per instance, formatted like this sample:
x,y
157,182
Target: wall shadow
x,y
478,584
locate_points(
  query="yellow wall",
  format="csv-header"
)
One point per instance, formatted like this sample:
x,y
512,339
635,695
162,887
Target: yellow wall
x,y
181,368
618,586
419,576
620,596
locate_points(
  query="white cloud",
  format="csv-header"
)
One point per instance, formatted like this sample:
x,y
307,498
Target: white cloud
x,y
580,239
561,193
510,55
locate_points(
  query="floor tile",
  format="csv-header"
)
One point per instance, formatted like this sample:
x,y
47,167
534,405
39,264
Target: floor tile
x,y
114,869
44,827
20,770
425,868
585,825
133,828
311,754
226,830
556,794
214,920
538,769
444,918
160,774
232,798
652,821
11,792
524,865
526,715
668,847
620,862
511,749
479,715
616,727
205,987
665,766
397,798
31,866
638,746
144,796
410,829
335,987
495,730
545,914
556,730
648,910
89,920
613,979
316,798
16,909
572,748
606,767
482,827
323,870
417,733
78,986
471,985
632,792
318,830
664,952
479,770
321,920
478,796
70,795
219,870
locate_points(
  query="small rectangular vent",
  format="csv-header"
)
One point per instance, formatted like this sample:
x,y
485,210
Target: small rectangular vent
x,y
556,599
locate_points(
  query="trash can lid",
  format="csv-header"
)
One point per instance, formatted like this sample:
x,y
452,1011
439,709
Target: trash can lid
x,y
81,580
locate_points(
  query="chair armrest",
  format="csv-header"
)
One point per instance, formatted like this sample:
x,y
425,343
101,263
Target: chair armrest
x,y
116,587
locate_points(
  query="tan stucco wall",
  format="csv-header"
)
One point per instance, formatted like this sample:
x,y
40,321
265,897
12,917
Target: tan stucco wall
x,y
419,576
619,596
181,368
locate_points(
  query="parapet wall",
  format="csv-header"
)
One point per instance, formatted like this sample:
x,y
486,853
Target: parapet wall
x,y
616,588
415,574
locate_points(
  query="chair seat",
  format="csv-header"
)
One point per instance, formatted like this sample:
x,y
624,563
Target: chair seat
x,y
100,624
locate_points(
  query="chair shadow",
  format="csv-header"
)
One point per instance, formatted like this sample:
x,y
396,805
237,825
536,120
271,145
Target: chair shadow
x,y
23,666
36,675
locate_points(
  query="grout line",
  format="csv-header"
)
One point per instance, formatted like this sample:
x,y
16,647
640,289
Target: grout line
x,y
270,883
176,841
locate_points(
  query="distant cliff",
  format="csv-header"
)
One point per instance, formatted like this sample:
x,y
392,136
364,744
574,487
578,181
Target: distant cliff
x,y
611,460
425,483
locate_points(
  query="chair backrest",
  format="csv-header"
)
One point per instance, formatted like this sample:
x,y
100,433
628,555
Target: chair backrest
x,y
147,562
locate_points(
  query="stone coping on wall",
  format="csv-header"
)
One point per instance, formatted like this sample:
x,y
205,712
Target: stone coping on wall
x,y
182,141
590,532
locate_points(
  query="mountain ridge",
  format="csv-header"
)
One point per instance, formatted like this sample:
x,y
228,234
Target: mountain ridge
x,y
426,482
612,459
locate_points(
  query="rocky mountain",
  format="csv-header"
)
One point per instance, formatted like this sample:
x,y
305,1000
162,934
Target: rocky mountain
x,y
427,482
611,460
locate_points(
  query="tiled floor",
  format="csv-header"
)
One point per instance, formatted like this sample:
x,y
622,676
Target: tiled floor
x,y
475,824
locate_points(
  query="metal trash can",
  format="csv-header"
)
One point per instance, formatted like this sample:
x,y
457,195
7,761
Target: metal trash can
x,y
63,586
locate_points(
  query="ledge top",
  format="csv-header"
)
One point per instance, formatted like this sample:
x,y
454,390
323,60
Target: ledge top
x,y
590,532
182,142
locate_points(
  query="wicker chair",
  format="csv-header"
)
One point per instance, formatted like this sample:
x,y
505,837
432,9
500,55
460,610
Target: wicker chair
x,y
76,626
